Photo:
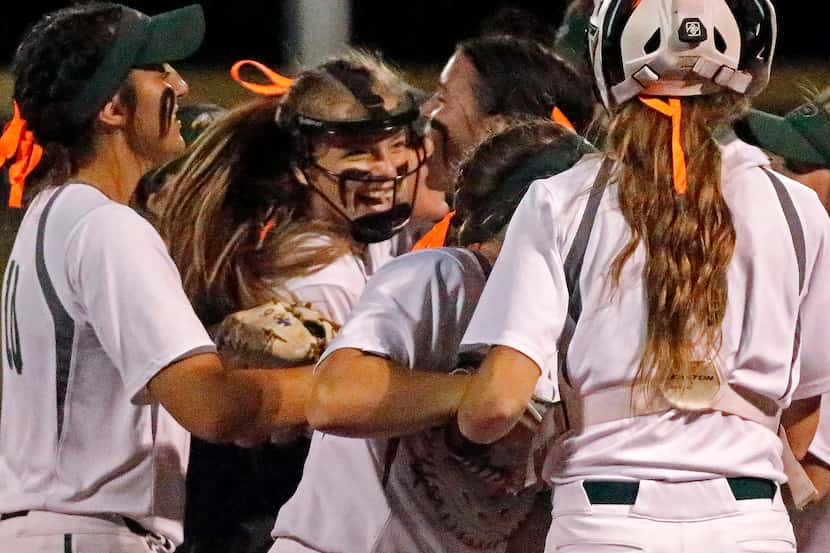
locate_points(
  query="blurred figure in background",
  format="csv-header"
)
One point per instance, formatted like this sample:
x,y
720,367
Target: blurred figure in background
x,y
801,139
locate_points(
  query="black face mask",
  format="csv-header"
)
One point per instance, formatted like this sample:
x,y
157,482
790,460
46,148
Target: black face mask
x,y
376,227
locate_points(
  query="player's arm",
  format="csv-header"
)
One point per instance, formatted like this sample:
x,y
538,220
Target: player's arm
x,y
498,395
800,420
219,405
356,394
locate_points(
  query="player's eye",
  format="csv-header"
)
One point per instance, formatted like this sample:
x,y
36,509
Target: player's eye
x,y
356,153
355,174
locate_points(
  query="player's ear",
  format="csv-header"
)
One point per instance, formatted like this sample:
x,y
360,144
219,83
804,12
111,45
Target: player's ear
x,y
115,113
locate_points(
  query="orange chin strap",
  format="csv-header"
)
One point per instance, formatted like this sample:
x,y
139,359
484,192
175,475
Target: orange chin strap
x,y
278,86
436,237
674,109
558,117
19,142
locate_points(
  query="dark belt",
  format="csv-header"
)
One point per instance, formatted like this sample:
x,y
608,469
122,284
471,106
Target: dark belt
x,y
602,492
7,516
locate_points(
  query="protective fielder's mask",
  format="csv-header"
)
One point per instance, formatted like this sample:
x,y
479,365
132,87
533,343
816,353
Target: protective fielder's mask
x,y
379,125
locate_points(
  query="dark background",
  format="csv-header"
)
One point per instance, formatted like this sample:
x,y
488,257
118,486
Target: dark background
x,y
408,31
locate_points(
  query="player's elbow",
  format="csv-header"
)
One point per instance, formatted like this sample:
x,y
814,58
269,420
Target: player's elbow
x,y
488,423
204,399
323,408
335,409
343,399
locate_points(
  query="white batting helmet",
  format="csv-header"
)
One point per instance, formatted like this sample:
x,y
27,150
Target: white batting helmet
x,y
681,47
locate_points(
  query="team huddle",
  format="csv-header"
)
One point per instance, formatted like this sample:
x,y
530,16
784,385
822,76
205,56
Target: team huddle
x,y
347,316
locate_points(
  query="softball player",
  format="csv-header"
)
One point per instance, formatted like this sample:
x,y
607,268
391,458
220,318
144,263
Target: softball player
x,y
311,223
300,196
702,275
386,375
103,356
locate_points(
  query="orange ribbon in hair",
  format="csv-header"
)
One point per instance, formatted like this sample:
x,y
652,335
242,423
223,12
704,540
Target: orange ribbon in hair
x,y
674,109
278,86
436,237
558,117
19,142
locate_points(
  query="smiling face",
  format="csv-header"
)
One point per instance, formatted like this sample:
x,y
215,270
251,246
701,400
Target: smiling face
x,y
357,174
457,122
155,132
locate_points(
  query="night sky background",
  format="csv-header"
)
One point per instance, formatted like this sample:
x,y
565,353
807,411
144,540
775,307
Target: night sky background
x,y
408,31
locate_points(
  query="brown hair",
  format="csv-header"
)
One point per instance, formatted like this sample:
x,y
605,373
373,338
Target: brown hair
x,y
689,239
238,177
53,62
487,192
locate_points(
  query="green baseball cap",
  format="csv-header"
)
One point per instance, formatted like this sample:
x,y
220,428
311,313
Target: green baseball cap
x,y
140,40
801,136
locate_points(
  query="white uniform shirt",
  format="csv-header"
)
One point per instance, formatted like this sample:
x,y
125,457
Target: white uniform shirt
x,y
335,289
413,311
77,435
525,302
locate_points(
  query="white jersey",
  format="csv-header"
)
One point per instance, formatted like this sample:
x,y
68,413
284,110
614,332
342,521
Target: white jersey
x,y
524,306
93,308
414,312
335,289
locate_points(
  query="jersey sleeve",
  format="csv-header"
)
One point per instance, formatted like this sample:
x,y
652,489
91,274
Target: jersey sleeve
x,y
815,306
524,304
414,310
132,296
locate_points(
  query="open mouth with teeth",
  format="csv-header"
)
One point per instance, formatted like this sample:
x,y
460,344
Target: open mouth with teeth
x,y
373,199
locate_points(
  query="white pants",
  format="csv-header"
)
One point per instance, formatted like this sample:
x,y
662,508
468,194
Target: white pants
x,y
692,517
44,532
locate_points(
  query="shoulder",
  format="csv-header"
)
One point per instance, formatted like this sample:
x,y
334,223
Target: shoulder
x,y
332,290
427,272
744,165
561,190
430,262
83,213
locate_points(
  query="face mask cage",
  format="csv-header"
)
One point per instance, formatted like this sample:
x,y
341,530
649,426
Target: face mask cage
x,y
374,227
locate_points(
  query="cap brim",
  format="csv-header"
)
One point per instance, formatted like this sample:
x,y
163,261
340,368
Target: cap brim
x,y
777,135
173,35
